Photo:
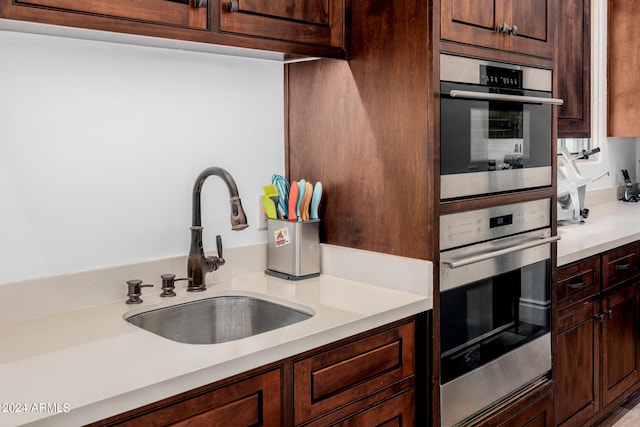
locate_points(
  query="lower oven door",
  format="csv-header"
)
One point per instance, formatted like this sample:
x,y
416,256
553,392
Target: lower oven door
x,y
495,321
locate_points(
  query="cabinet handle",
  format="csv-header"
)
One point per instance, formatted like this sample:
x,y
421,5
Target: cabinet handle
x,y
504,28
608,313
233,6
200,3
623,266
577,285
513,31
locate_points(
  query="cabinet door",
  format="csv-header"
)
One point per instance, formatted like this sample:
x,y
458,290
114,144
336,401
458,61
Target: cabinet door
x,y
573,24
576,365
180,13
533,19
623,61
620,351
475,22
317,22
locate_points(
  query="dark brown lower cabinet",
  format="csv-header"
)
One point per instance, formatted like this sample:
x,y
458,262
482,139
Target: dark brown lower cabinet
x,y
620,339
365,380
577,364
597,343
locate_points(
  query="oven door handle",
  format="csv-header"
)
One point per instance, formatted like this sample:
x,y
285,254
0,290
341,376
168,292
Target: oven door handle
x,y
500,252
504,97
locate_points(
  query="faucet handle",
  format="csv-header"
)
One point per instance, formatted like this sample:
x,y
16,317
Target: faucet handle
x,y
134,291
220,261
169,284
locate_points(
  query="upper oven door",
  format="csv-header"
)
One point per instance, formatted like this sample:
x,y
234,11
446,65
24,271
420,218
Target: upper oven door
x,y
493,140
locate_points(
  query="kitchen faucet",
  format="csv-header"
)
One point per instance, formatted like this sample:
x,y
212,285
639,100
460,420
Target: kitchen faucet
x,y
198,264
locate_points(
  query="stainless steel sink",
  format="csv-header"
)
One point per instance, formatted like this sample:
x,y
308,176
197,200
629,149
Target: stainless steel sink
x,y
218,319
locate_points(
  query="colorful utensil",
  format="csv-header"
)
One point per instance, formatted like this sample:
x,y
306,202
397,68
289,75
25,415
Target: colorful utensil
x,y
269,207
302,186
293,201
315,200
283,188
306,200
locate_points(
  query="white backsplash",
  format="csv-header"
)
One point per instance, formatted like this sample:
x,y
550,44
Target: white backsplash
x,y
100,145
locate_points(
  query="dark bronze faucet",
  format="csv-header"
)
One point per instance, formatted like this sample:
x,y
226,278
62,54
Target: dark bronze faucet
x,y
198,265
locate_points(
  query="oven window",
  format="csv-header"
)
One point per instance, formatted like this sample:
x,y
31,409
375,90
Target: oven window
x,y
484,320
496,134
481,135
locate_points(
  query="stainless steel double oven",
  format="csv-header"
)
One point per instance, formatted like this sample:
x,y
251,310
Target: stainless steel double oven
x,y
495,262
495,127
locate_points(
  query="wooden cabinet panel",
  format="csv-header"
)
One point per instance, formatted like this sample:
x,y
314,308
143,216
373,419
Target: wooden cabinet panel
x,y
476,22
256,400
166,12
573,64
318,22
620,337
620,265
329,380
472,21
361,128
623,61
578,281
398,411
532,410
298,27
577,365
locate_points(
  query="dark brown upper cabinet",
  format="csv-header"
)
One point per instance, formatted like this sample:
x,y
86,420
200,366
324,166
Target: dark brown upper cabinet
x,y
623,62
292,27
573,64
315,22
519,26
175,13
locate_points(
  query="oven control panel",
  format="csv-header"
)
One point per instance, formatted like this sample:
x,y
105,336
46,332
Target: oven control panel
x,y
500,77
464,228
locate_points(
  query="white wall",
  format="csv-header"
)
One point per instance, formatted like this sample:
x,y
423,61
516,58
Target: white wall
x,y
100,144
617,153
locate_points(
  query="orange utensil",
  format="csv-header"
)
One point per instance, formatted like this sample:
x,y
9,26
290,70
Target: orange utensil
x,y
293,201
306,200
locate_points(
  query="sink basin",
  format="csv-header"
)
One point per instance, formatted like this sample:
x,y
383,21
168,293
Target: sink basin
x,y
218,319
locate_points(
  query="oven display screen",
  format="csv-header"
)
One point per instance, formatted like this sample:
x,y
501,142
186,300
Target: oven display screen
x,y
499,221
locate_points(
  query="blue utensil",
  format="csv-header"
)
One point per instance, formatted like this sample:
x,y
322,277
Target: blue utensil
x,y
315,200
302,184
283,188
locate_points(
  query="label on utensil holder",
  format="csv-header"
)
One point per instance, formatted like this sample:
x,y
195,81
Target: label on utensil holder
x,y
281,237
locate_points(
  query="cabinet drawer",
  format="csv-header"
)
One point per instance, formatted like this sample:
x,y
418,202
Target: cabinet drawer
x,y
577,281
252,401
331,379
398,411
619,265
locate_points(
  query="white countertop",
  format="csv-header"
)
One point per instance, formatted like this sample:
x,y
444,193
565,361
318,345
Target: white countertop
x,y
608,226
89,364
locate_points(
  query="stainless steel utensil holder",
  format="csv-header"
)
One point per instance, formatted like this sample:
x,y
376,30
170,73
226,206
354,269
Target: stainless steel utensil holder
x,y
293,249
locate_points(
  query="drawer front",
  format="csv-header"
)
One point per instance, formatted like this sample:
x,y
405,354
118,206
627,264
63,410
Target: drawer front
x,y
331,379
619,265
578,281
253,401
